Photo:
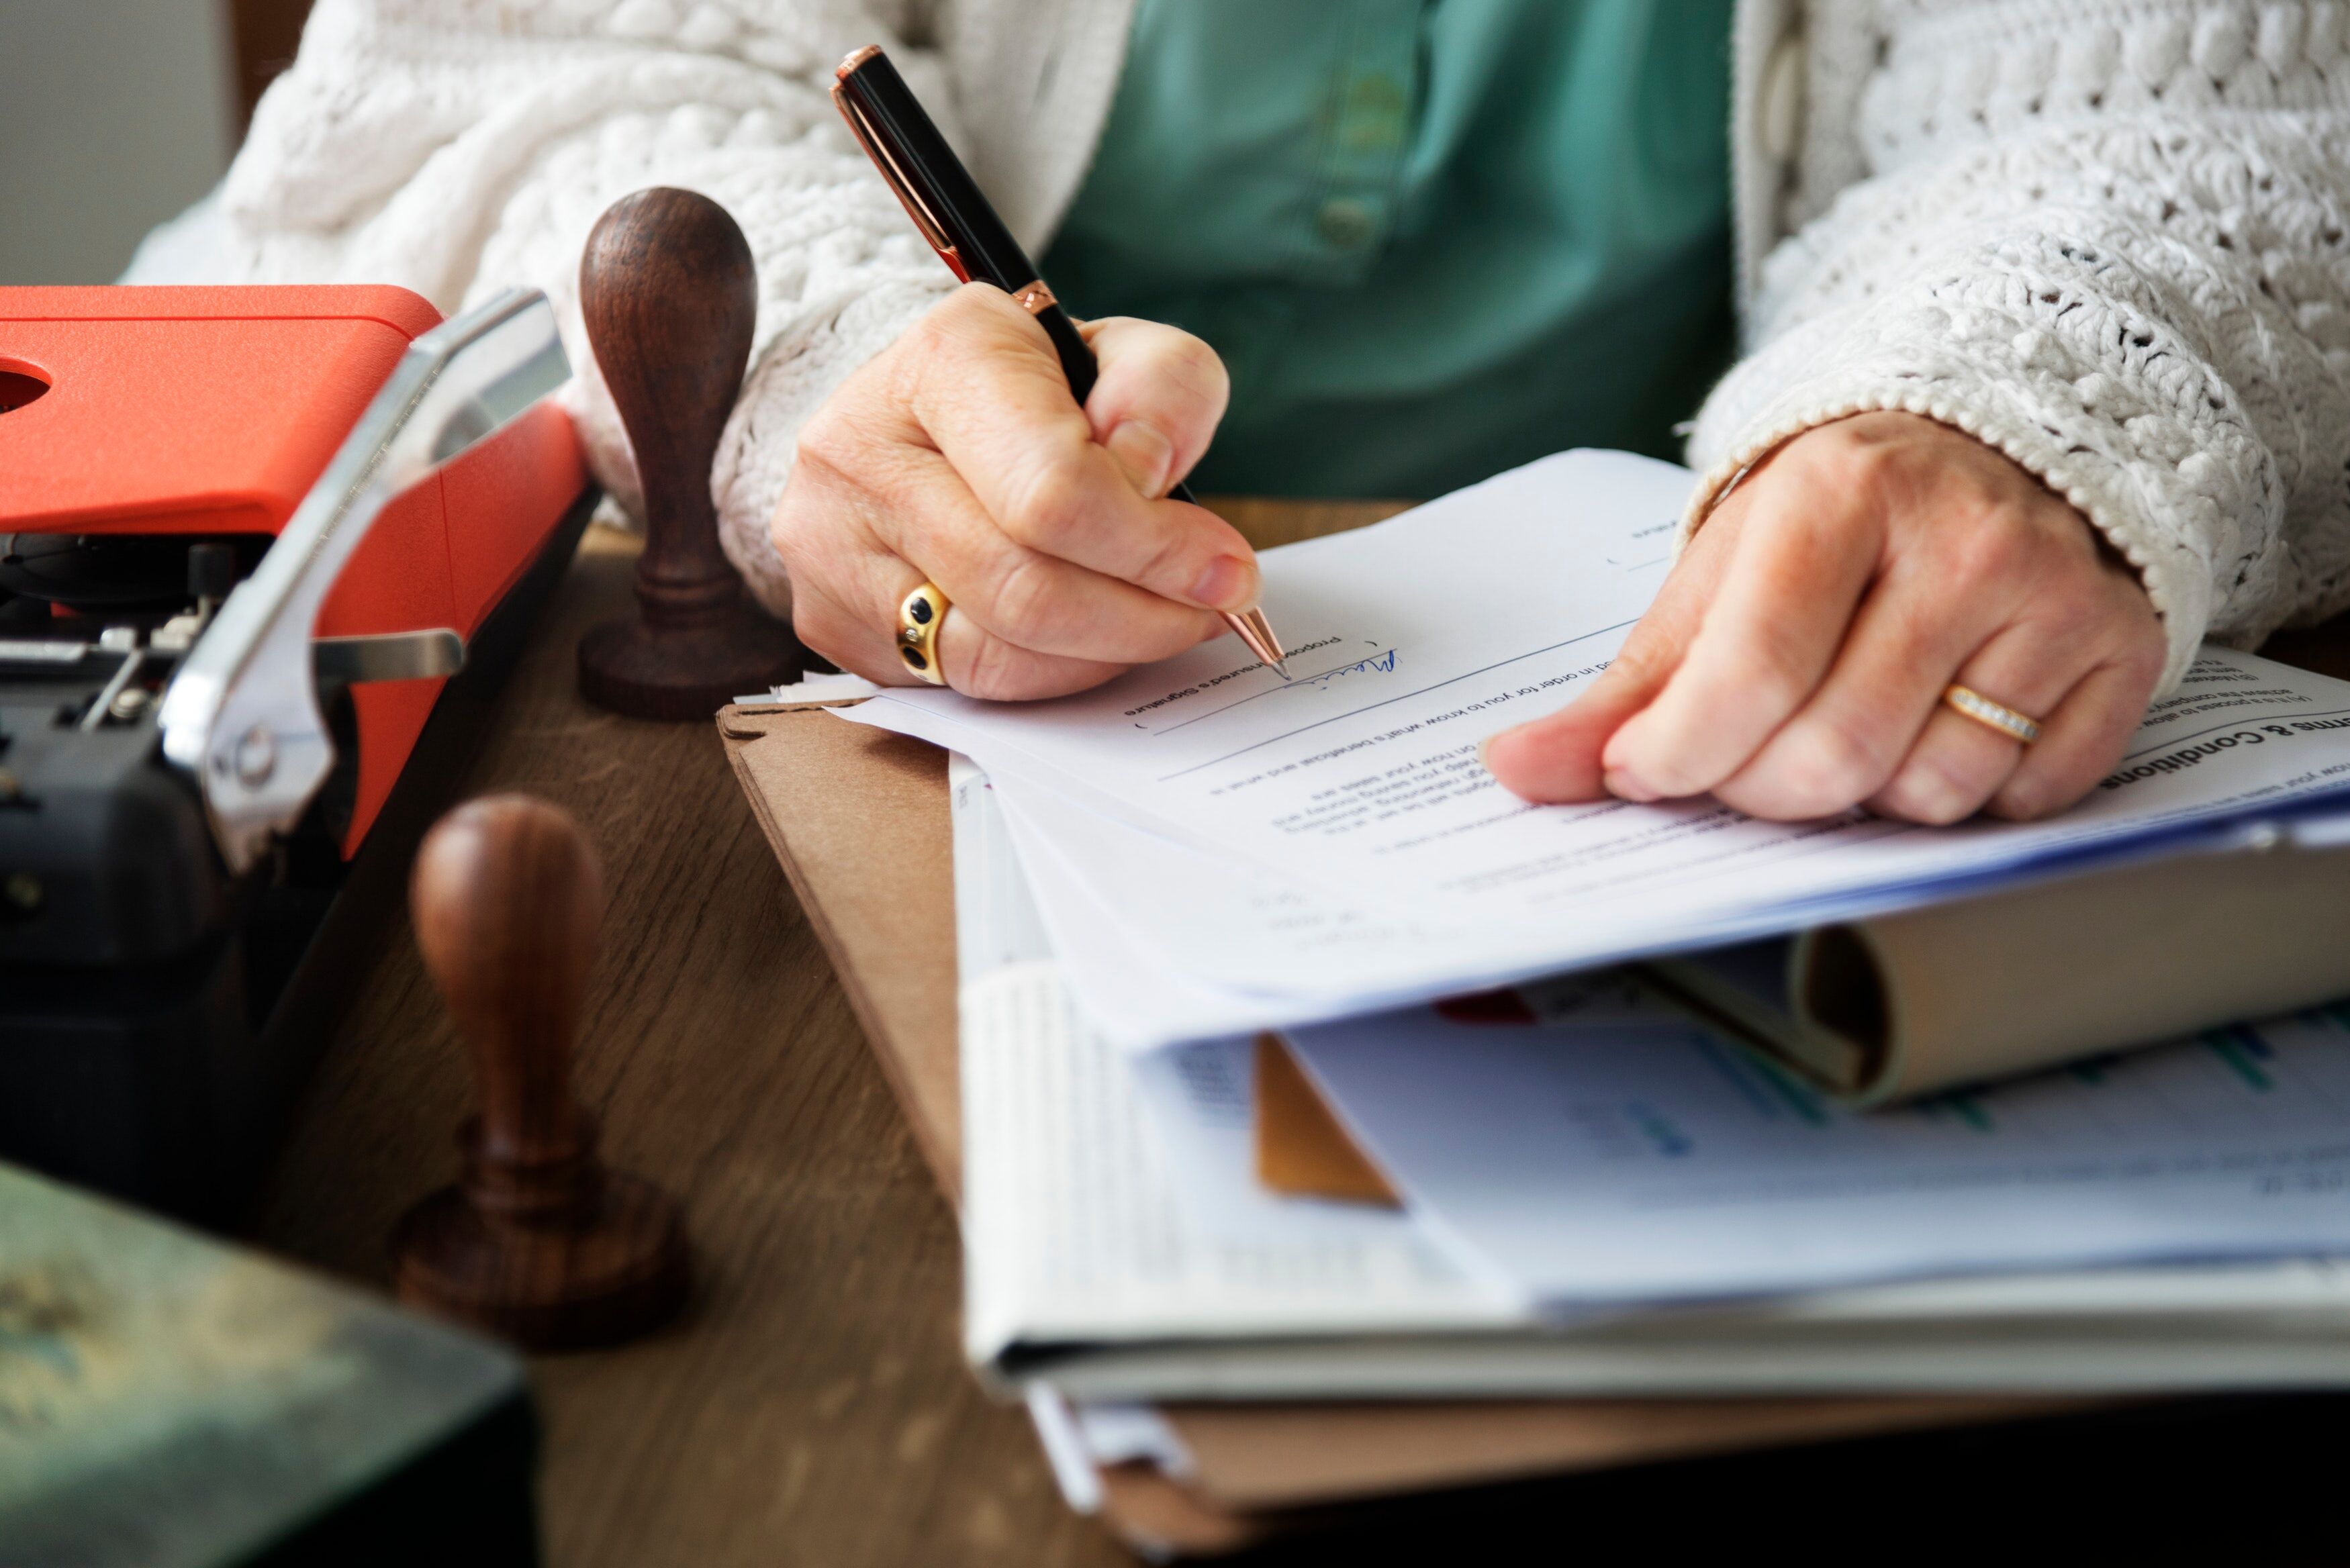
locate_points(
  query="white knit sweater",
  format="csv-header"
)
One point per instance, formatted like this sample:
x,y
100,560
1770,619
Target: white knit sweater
x,y
2108,237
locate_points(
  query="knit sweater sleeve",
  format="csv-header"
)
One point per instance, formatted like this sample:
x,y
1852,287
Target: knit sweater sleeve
x,y
2116,254
457,147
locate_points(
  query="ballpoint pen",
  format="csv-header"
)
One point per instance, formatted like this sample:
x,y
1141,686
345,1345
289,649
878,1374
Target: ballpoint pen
x,y
946,205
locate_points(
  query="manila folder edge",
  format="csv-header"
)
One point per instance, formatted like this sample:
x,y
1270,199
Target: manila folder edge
x,y
859,819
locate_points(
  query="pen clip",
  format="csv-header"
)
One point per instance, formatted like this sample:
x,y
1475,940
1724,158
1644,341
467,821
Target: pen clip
x,y
908,197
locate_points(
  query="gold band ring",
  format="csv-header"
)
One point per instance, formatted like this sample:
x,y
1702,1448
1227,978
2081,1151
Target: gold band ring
x,y
1992,715
920,616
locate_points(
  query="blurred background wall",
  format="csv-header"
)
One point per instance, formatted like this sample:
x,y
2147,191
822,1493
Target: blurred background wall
x,y
116,114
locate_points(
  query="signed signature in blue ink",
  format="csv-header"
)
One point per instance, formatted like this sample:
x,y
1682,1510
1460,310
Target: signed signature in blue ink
x,y
1376,664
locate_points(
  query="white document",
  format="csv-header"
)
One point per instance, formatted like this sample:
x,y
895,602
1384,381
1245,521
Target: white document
x,y
1116,1248
1073,1228
1302,850
1632,1160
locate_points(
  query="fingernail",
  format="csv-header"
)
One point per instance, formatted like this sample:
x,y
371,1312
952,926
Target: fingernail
x,y
1222,583
1625,786
1144,455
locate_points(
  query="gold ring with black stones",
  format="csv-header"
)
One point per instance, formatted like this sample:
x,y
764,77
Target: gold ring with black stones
x,y
920,616
2020,728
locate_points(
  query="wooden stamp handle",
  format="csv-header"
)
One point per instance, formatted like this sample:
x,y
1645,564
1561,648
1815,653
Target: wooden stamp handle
x,y
507,897
538,1241
669,295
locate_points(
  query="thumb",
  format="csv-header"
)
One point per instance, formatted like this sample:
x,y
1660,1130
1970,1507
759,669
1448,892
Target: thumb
x,y
1157,401
1556,759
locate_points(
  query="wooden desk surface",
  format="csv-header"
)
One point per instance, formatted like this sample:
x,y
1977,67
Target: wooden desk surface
x,y
812,1405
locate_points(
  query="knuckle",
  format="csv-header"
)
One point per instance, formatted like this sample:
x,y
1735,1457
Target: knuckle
x,y
1674,774
787,535
849,435
1628,674
1825,770
971,308
938,332
1022,608
790,507
1839,770
796,529
1645,659
989,672
1845,459
1997,547
951,332
1168,559
1051,504
2069,610
1197,369
1758,794
825,442
998,671
1672,777
1772,800
1779,675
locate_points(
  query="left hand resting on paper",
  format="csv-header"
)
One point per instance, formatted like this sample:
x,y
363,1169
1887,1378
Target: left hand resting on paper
x,y
1794,662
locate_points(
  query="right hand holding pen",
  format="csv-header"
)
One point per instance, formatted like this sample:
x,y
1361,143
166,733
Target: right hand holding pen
x,y
957,456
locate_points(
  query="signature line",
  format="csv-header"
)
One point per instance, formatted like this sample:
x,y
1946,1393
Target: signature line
x,y
1400,697
1291,685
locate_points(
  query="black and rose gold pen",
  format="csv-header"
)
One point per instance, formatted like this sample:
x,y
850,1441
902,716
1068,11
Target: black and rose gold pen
x,y
946,205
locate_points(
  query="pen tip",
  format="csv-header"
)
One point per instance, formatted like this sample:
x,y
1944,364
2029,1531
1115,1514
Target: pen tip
x,y
1256,633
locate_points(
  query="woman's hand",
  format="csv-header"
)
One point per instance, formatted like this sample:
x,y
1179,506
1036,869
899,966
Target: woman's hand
x,y
1794,662
958,456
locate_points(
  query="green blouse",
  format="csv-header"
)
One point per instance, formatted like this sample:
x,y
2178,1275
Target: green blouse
x,y
1431,239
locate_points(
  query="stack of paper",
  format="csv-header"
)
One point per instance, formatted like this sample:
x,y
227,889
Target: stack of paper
x,y
1573,1171
1216,850
1601,1196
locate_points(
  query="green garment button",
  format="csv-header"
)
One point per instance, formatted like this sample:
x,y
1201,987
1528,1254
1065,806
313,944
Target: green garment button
x,y
1343,222
1376,114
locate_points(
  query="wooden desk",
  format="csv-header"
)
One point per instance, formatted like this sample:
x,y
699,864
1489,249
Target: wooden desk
x,y
812,1405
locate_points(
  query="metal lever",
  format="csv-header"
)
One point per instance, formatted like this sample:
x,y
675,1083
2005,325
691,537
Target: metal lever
x,y
385,656
241,714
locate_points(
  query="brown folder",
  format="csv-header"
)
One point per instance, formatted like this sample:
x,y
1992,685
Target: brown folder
x,y
859,820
